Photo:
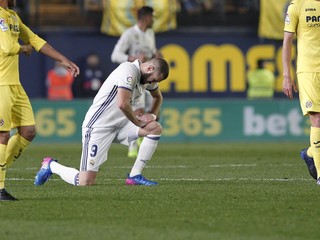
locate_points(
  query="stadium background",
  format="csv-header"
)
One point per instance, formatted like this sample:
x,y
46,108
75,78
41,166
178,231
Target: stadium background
x,y
210,51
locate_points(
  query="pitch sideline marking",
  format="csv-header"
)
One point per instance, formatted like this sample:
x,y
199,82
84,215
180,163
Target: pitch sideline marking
x,y
184,166
191,179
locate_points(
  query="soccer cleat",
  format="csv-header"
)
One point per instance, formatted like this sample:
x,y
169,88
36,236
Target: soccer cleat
x,y
5,196
318,181
310,163
45,172
139,141
133,153
139,180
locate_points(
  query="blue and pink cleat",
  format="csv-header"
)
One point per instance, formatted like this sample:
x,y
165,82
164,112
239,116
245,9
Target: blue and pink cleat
x,y
140,180
44,173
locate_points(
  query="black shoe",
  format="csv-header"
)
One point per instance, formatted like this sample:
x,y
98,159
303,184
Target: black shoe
x,y
5,196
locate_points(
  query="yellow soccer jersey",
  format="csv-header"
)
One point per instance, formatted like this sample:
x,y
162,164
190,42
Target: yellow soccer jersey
x,y
303,18
12,29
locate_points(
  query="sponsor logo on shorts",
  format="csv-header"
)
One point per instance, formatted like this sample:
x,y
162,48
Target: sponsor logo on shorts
x,y
1,122
3,25
92,162
308,104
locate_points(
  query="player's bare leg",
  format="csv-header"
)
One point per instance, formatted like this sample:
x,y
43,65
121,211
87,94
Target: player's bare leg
x,y
87,178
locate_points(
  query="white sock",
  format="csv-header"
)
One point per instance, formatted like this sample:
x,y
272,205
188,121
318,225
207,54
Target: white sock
x,y
146,150
67,174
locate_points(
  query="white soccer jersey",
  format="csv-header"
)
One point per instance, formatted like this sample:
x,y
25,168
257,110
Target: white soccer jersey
x,y
104,111
133,42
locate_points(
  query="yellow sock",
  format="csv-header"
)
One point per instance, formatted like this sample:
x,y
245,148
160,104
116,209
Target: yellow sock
x,y
15,147
309,152
315,146
2,164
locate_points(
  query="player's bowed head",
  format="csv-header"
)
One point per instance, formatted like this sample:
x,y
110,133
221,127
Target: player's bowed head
x,y
154,70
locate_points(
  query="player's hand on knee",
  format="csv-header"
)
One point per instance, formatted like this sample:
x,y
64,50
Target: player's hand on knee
x,y
146,118
153,128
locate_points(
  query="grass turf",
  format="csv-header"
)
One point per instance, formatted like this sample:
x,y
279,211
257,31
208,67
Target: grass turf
x,y
206,191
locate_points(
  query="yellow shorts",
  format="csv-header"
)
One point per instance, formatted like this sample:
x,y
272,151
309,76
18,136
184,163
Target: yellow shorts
x,y
309,92
15,108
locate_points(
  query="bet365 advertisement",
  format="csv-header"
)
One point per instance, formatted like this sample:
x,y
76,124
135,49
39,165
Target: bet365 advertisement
x,y
203,120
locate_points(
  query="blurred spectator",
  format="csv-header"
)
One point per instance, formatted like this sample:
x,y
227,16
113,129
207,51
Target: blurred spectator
x,y
59,83
108,14
260,82
209,5
191,7
242,7
91,76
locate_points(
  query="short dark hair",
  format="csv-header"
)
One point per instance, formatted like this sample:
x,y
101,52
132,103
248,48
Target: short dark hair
x,y
145,11
163,67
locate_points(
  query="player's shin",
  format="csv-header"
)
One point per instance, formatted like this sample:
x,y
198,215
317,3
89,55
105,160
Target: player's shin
x,y
67,174
315,145
2,164
15,147
146,151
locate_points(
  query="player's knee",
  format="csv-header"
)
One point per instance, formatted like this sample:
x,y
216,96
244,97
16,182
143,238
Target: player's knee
x,y
32,133
28,132
315,119
87,178
87,183
156,128
4,137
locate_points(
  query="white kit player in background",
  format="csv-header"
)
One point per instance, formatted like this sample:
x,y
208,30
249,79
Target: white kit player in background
x,y
138,42
110,118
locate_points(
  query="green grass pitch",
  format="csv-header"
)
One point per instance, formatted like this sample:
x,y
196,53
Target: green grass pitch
x,y
206,191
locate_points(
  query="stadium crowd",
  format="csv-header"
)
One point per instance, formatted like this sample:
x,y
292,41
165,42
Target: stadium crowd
x,y
89,12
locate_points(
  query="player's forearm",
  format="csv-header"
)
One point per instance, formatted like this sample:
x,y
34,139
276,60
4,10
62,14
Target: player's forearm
x,y
156,105
48,50
128,112
286,57
118,57
286,54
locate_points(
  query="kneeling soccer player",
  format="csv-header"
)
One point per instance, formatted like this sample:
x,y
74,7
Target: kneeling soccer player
x,y
111,119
